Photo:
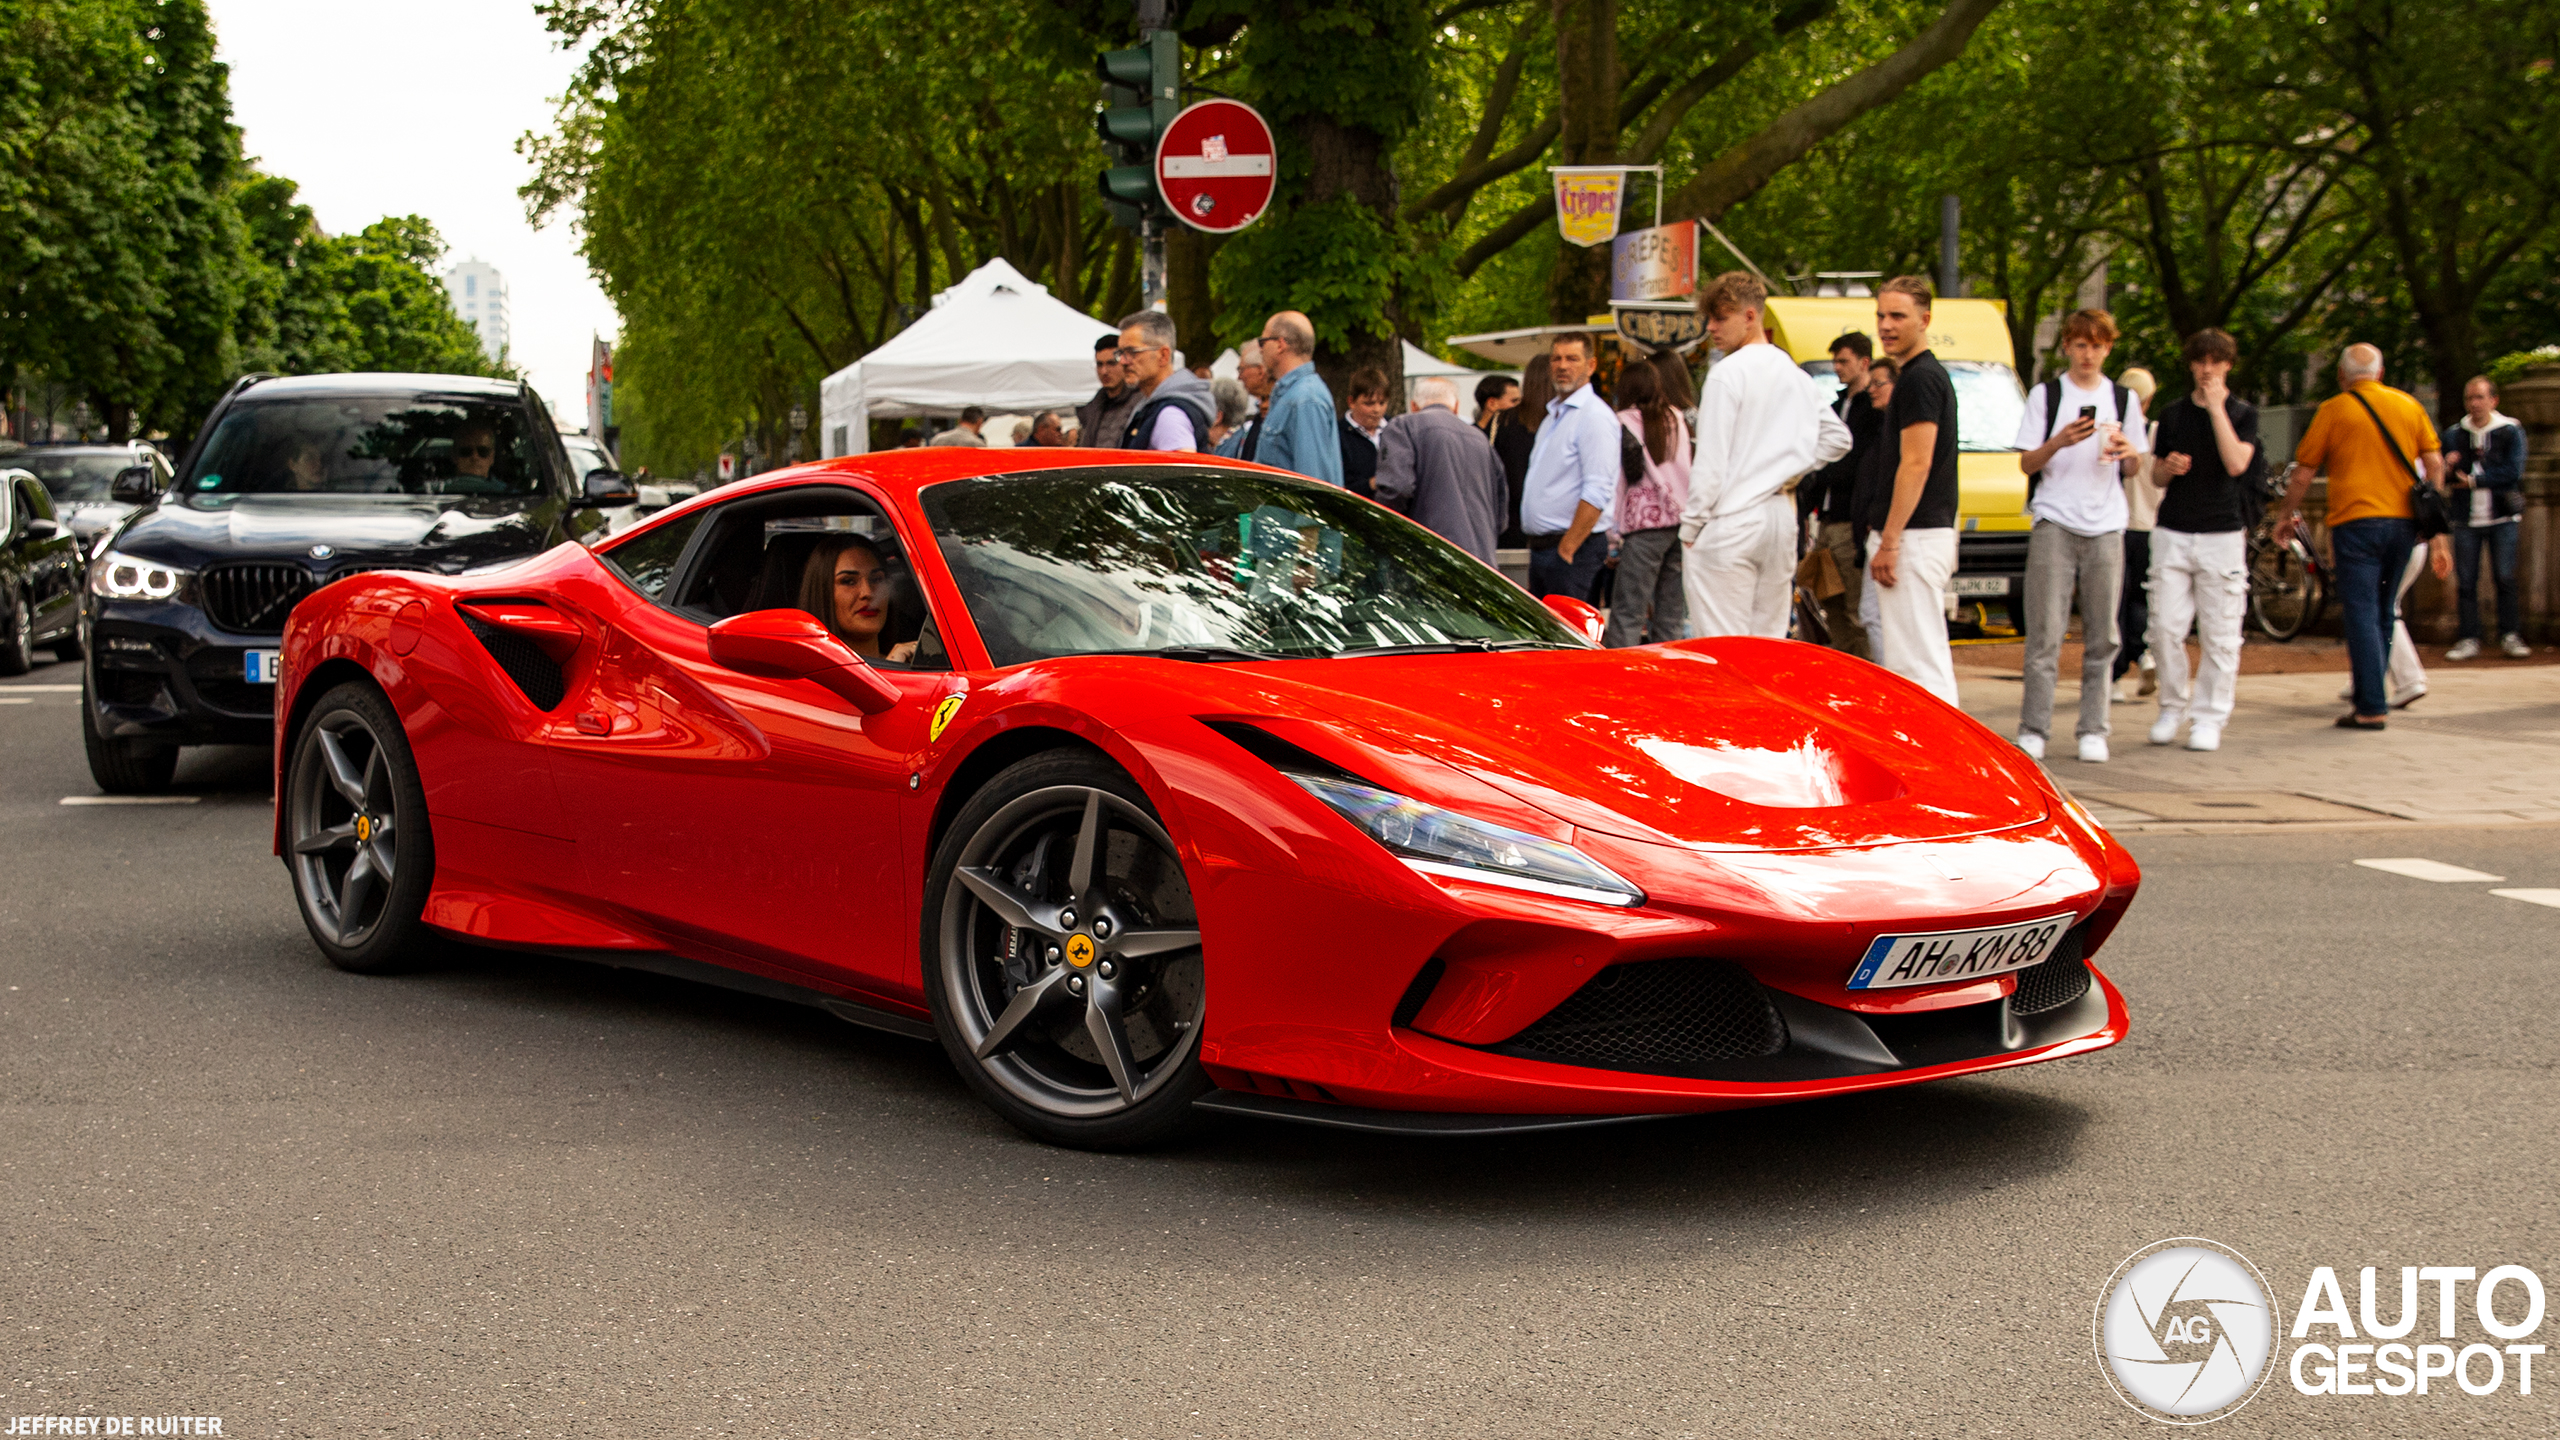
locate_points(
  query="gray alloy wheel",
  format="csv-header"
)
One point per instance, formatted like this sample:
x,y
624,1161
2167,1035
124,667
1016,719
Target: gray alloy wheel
x,y
18,652
356,821
1064,960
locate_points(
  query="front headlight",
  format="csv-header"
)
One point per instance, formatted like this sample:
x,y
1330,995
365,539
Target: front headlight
x,y
1443,842
122,577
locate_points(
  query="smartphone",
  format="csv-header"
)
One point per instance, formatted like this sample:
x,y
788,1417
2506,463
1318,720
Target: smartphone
x,y
2088,412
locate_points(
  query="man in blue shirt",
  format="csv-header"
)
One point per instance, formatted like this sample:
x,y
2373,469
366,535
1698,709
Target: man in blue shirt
x,y
1573,475
1298,432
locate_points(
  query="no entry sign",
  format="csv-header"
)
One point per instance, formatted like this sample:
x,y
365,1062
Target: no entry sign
x,y
1216,166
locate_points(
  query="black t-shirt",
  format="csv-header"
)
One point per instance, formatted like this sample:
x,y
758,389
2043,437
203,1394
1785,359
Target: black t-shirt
x,y
2208,499
1833,488
1922,395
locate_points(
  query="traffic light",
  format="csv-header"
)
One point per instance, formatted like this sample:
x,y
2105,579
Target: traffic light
x,y
1141,93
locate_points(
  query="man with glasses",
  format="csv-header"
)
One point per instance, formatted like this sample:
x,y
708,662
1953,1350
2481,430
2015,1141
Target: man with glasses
x,y
475,450
1174,405
1298,432
1100,420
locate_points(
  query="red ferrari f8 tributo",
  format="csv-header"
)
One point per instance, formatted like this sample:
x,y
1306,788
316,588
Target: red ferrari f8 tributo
x,y
1151,785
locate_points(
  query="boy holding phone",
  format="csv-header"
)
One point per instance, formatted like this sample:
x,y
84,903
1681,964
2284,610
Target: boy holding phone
x,y
2075,491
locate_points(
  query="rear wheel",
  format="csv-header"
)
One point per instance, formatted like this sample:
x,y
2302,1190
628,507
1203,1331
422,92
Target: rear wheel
x,y
18,641
121,766
1062,956
356,827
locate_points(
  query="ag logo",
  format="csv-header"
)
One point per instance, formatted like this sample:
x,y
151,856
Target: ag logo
x,y
942,714
2185,1331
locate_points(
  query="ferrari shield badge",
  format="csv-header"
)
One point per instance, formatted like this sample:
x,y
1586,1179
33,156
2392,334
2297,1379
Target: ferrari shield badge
x,y
942,714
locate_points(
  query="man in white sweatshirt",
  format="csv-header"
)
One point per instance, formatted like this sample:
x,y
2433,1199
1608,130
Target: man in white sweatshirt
x,y
1762,424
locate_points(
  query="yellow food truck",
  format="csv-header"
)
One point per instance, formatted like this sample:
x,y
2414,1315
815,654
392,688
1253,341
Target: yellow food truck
x,y
1971,338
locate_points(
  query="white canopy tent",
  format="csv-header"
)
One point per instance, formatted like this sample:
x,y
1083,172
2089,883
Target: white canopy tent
x,y
996,339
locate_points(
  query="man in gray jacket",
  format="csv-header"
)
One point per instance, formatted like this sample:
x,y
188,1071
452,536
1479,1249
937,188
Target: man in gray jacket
x,y
1441,470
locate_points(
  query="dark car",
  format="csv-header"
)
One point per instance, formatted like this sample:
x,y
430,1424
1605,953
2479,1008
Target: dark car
x,y
39,573
292,484
81,479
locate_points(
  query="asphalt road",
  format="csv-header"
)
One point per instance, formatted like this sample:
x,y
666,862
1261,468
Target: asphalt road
x,y
516,1197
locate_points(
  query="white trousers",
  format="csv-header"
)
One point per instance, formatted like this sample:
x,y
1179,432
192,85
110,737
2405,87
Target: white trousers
x,y
1741,572
2203,581
2407,674
1909,633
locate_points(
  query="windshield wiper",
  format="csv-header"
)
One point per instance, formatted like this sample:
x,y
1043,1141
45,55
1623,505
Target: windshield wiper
x,y
1201,654
1477,646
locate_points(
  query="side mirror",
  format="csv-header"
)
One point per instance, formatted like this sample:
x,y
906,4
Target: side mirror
x,y
608,487
138,485
792,645
1584,620
39,528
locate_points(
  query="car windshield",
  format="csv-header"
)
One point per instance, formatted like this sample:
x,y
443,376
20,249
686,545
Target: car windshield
x,y
80,475
412,444
1990,404
1219,563
585,456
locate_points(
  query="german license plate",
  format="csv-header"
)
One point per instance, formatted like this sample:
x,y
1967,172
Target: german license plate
x,y
1982,584
262,666
1946,956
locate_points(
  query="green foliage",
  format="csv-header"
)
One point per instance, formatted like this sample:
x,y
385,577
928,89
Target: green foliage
x,y
2509,368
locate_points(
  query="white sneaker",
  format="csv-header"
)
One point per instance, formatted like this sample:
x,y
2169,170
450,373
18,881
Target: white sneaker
x,y
2093,749
2127,690
2464,650
2204,737
2164,731
2514,648
2033,744
2403,699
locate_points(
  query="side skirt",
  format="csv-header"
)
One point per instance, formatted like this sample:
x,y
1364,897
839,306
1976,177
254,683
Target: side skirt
x,y
677,967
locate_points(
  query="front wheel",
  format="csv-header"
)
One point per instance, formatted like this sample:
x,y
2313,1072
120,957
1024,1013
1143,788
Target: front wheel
x,y
18,640
2284,594
356,827
123,766
1062,956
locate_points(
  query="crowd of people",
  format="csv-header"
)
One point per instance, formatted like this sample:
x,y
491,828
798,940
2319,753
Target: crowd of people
x,y
1702,511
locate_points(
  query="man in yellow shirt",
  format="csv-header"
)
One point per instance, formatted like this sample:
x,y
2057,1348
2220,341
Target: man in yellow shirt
x,y
2372,440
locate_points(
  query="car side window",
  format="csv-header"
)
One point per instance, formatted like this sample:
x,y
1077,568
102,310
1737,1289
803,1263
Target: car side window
x,y
38,500
826,550
647,561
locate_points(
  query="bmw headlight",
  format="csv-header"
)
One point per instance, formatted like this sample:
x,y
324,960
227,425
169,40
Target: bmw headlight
x,y
122,577
1443,842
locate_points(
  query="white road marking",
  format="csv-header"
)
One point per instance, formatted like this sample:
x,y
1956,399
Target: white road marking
x,y
131,799
2532,897
39,689
14,700
2435,870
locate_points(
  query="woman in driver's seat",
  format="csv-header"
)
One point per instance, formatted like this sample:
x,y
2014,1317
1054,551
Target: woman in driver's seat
x,y
847,586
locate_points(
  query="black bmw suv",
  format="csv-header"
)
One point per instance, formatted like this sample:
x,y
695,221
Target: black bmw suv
x,y
291,484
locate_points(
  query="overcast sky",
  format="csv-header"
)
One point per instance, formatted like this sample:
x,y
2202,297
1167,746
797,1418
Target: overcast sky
x,y
400,107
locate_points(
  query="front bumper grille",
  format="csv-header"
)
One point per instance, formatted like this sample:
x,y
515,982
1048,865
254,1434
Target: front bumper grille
x,y
1653,1013
254,599
2053,982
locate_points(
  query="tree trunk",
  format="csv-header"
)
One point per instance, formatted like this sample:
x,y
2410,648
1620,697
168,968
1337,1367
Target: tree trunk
x,y
1587,74
1187,253
1351,161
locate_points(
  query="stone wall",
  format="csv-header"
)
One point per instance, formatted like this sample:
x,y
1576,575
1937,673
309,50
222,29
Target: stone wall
x,y
2535,400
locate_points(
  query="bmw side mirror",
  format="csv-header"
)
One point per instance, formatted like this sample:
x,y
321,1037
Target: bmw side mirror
x,y
1578,616
138,485
792,645
609,487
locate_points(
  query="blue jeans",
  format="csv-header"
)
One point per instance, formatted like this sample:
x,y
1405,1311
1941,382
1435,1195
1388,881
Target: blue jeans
x,y
2501,543
2369,556
1549,574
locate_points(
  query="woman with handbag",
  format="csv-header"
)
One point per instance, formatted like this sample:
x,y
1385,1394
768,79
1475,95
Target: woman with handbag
x,y
1651,604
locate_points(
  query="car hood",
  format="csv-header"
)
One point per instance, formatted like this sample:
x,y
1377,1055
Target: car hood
x,y
1714,744
447,533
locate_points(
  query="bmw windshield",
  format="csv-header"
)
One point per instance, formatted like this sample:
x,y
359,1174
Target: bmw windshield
x,y
400,444
1213,564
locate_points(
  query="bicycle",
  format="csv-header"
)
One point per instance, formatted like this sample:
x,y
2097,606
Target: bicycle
x,y
2288,585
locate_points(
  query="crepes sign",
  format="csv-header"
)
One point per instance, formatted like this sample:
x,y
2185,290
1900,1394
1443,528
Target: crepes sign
x,y
1588,202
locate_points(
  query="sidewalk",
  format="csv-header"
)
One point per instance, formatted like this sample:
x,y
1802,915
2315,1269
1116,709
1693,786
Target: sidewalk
x,y
2482,748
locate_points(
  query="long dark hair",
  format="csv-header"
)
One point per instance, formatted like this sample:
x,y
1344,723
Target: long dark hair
x,y
1640,389
1678,386
818,581
1488,390
1537,387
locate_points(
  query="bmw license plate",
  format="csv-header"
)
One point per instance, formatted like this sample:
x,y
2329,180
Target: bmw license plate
x,y
262,666
1946,956
1982,585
